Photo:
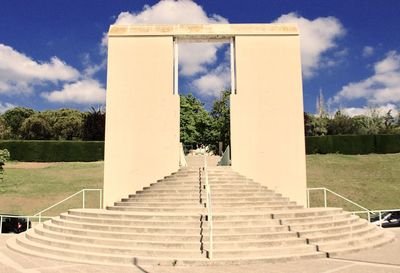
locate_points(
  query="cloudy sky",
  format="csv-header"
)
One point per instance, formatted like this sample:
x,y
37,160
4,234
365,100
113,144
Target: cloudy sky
x,y
53,52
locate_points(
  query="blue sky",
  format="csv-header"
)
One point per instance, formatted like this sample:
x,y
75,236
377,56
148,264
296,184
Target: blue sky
x,y
53,52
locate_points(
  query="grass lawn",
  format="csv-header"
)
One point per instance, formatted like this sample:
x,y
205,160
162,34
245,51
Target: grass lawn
x,y
370,180
31,189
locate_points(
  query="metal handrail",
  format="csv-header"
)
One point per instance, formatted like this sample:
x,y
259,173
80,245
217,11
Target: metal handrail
x,y
365,210
39,214
209,209
83,191
374,212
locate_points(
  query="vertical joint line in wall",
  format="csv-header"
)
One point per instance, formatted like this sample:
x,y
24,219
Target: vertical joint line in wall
x,y
176,66
233,66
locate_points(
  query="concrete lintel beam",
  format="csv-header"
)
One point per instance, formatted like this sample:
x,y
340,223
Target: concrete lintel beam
x,y
203,31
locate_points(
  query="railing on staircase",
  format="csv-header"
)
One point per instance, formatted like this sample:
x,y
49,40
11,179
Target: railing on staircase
x,y
209,208
38,217
326,191
83,192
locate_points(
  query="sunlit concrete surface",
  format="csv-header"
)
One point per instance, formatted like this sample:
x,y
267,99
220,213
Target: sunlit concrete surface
x,y
379,260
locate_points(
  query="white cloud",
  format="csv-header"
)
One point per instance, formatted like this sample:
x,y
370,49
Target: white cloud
x,y
215,81
87,91
380,88
367,111
317,36
6,106
19,73
193,58
367,51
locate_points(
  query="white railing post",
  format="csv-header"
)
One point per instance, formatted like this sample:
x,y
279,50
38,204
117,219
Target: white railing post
x,y
27,222
209,210
325,200
101,199
40,218
308,198
233,66
83,198
380,218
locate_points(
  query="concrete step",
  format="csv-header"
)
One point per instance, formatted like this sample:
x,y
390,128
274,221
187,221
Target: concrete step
x,y
386,238
333,230
325,224
194,205
315,239
310,219
215,199
145,198
248,236
186,186
72,255
251,204
161,209
84,257
241,223
111,249
306,212
374,235
121,228
194,245
260,243
243,216
101,213
267,251
265,208
217,230
248,199
126,235
134,223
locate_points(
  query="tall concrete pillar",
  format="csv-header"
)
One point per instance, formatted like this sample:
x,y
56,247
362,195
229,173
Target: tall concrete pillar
x,y
267,133
142,119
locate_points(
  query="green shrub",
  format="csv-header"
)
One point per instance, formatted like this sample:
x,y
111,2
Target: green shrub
x,y
353,144
4,156
387,144
54,151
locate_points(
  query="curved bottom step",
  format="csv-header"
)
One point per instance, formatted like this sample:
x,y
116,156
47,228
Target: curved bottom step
x,y
95,258
387,237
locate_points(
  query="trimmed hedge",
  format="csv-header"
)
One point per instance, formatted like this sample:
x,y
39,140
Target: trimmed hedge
x,y
53,150
353,144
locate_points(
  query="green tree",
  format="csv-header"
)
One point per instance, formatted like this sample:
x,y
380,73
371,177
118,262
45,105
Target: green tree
x,y
66,124
221,115
14,119
362,125
36,127
5,130
195,122
315,125
340,124
388,122
94,123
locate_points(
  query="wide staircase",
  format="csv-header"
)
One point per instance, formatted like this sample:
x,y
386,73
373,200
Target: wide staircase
x,y
169,223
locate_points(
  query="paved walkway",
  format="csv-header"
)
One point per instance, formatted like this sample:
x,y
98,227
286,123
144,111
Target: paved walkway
x,y
385,259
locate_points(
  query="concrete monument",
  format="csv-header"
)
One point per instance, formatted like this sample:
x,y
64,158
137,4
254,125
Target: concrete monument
x,y
142,126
